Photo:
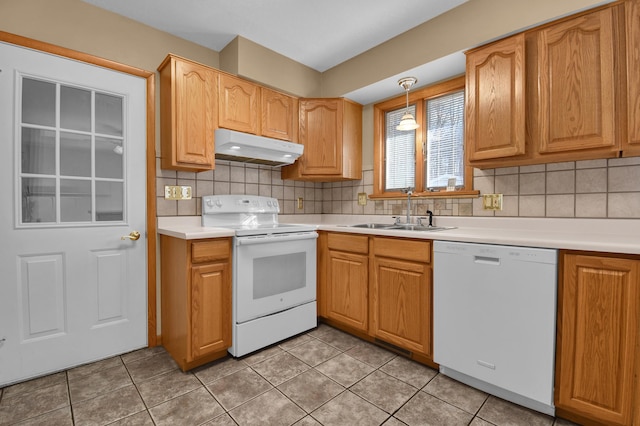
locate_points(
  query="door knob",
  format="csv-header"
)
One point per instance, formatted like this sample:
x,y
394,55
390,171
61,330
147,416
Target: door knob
x,y
133,236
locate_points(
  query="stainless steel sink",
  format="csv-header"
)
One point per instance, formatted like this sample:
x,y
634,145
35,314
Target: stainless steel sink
x,y
416,227
402,226
413,227
374,225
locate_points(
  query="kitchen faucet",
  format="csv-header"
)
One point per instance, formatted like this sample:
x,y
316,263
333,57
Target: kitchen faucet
x,y
408,191
430,213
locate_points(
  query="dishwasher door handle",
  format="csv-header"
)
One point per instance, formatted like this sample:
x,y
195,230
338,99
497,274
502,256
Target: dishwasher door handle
x,y
487,260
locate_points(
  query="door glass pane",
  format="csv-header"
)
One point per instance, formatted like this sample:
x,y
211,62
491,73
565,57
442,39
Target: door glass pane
x,y
108,114
75,109
75,154
38,151
75,200
108,158
38,200
109,201
80,169
38,102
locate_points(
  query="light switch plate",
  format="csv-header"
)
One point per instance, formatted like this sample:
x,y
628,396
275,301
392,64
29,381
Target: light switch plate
x,y
362,198
300,203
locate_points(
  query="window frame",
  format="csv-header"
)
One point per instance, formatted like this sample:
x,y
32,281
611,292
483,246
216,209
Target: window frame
x,y
417,98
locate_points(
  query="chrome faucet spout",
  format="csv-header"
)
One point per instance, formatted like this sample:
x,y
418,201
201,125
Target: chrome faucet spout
x,y
408,191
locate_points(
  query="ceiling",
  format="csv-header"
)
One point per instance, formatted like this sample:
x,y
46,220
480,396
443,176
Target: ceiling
x,y
319,34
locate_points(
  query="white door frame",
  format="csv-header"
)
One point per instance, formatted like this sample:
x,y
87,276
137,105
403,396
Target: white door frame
x,y
151,155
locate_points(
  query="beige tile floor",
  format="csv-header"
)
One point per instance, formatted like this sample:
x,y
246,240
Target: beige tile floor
x,y
323,377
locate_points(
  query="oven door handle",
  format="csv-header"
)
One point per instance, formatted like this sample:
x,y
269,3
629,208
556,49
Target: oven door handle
x,y
275,238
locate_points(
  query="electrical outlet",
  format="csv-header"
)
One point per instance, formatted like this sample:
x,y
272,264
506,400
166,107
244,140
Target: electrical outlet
x,y
300,203
185,192
492,202
173,192
362,198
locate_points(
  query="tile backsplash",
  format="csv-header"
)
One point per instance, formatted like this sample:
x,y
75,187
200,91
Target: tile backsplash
x,y
580,189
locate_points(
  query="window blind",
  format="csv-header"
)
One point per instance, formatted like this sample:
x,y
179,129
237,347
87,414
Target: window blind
x,y
445,140
400,152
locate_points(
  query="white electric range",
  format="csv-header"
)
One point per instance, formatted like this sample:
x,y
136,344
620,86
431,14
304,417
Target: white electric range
x,y
274,270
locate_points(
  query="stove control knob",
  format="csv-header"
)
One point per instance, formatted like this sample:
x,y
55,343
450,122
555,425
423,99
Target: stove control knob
x,y
269,203
210,202
218,203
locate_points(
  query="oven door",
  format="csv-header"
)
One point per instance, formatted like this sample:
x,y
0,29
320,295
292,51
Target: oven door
x,y
273,273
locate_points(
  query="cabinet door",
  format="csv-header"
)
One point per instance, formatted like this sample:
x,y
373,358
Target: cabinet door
x,y
279,115
495,103
347,289
577,84
210,309
598,326
187,134
239,102
631,146
321,134
401,306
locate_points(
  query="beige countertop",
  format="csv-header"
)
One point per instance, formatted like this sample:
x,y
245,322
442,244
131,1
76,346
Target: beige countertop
x,y
189,228
605,235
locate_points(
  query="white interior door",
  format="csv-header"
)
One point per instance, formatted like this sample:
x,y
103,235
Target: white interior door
x,y
73,183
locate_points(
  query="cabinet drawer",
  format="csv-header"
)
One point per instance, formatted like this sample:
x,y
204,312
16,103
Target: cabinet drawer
x,y
347,242
417,250
210,250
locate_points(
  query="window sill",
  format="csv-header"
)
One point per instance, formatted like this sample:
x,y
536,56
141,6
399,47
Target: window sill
x,y
435,194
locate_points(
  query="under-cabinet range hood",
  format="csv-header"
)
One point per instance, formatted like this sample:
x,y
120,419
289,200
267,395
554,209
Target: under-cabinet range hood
x,y
248,148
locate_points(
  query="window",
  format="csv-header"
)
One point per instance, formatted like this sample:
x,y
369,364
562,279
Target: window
x,y
445,140
400,149
429,158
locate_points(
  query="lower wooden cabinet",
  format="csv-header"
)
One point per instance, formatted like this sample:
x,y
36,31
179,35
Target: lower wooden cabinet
x,y
347,280
598,355
378,288
196,299
401,293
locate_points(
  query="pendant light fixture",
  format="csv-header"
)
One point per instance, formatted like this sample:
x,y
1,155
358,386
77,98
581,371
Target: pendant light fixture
x,y
408,121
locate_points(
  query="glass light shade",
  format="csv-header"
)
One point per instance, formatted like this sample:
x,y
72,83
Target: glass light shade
x,y
407,122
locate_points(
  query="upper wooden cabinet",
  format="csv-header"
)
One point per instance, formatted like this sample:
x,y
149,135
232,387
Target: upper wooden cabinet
x,y
577,85
495,100
631,144
239,101
188,112
598,358
331,132
568,92
279,115
247,107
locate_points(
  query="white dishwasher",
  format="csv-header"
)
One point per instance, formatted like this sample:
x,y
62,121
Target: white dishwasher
x,y
494,319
